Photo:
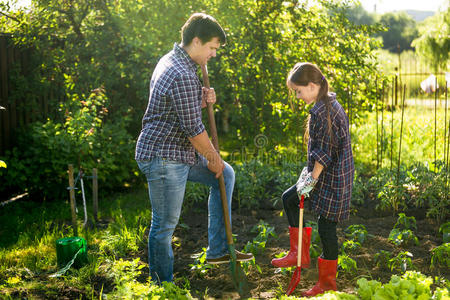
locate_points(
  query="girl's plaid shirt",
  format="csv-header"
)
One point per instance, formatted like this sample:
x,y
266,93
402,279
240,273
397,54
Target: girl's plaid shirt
x,y
332,194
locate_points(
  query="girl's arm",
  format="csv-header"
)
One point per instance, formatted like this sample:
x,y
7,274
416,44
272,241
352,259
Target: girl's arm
x,y
318,167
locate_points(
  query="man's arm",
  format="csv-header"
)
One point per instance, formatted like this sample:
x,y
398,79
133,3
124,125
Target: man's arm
x,y
204,146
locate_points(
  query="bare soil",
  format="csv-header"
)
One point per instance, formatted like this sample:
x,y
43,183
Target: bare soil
x,y
270,282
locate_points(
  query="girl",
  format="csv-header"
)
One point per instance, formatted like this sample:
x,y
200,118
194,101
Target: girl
x,y
327,178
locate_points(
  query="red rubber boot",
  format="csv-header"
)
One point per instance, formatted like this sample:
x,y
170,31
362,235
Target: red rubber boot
x,y
290,259
327,278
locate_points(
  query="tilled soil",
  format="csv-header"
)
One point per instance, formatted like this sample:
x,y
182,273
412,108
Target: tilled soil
x,y
269,282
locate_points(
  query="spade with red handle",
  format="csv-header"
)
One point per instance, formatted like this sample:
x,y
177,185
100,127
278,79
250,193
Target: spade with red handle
x,y
296,276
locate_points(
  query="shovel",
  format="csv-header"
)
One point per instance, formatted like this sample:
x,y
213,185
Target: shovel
x,y
237,274
296,276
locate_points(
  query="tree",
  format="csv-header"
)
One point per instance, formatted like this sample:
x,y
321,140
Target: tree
x,y
358,15
401,31
433,43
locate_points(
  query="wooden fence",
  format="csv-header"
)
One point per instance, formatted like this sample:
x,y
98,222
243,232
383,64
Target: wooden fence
x,y
23,100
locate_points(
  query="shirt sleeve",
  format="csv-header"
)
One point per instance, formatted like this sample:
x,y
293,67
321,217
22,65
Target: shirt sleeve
x,y
186,96
321,148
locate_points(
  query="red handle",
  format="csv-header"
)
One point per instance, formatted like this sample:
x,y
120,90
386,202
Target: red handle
x,y
302,200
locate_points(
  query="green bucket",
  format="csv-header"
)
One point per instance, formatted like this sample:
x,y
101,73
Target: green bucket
x,y
67,248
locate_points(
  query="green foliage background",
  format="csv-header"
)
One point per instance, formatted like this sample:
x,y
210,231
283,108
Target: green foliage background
x,y
83,46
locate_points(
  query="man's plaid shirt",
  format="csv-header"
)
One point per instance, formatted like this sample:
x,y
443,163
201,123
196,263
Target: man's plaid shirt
x,y
332,193
174,110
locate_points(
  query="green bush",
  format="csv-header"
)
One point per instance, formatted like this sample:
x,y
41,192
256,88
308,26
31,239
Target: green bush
x,y
86,139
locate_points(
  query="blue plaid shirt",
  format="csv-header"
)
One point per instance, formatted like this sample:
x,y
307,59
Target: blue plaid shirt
x,y
332,194
174,110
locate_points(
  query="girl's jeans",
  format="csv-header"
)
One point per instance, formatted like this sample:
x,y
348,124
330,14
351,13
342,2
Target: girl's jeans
x,y
327,228
166,183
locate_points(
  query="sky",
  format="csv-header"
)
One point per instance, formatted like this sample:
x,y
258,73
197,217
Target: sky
x,y
383,6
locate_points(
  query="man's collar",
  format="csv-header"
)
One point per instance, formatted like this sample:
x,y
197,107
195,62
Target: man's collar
x,y
184,55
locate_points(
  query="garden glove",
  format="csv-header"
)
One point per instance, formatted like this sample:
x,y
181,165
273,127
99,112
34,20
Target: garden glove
x,y
306,184
302,175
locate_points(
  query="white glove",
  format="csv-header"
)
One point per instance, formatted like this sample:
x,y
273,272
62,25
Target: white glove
x,y
306,184
302,175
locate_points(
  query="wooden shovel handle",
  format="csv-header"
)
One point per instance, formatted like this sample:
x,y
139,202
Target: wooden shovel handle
x,y
215,142
300,232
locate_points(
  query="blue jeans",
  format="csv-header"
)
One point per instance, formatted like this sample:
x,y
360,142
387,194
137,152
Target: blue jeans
x,y
167,183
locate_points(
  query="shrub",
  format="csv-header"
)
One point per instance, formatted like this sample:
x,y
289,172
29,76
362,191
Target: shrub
x,y
85,139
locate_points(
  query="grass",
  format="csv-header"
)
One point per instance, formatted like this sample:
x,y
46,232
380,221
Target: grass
x,y
412,72
417,137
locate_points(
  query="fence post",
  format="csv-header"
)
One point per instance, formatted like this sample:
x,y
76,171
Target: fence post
x,y
95,193
72,200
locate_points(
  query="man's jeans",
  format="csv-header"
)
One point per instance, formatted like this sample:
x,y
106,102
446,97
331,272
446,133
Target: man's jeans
x,y
167,183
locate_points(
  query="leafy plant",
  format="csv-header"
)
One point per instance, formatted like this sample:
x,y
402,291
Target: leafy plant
x,y
392,197
440,257
445,230
200,267
125,273
347,264
401,262
404,222
382,259
402,237
412,285
357,233
83,139
258,244
350,246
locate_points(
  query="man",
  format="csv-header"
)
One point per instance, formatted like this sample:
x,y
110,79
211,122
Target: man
x,y
174,147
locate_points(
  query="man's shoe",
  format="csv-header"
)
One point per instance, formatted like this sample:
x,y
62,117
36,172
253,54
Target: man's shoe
x,y
226,258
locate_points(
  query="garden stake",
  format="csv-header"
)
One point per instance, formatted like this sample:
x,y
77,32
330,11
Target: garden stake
x,y
435,116
237,274
445,129
401,132
394,90
381,125
95,193
296,276
376,117
72,201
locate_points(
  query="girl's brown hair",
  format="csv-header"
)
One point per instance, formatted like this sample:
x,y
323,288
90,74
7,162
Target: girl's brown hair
x,y
302,74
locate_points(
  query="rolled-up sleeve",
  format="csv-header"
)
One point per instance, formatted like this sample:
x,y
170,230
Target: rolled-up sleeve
x,y
321,147
186,96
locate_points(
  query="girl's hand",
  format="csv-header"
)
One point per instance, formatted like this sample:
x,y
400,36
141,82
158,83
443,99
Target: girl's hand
x,y
306,184
303,175
208,95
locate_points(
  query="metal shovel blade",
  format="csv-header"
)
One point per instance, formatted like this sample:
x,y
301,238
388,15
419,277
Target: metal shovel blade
x,y
294,281
237,274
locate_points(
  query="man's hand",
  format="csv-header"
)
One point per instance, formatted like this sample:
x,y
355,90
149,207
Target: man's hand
x,y
306,184
216,165
208,95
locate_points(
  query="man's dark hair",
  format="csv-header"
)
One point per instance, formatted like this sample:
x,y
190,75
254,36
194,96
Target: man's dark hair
x,y
202,26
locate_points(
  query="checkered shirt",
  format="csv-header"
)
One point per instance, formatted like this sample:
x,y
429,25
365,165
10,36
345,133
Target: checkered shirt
x,y
332,194
173,112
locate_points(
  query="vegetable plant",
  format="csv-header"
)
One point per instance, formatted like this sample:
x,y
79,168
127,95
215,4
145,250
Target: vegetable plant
x,y
440,257
357,233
